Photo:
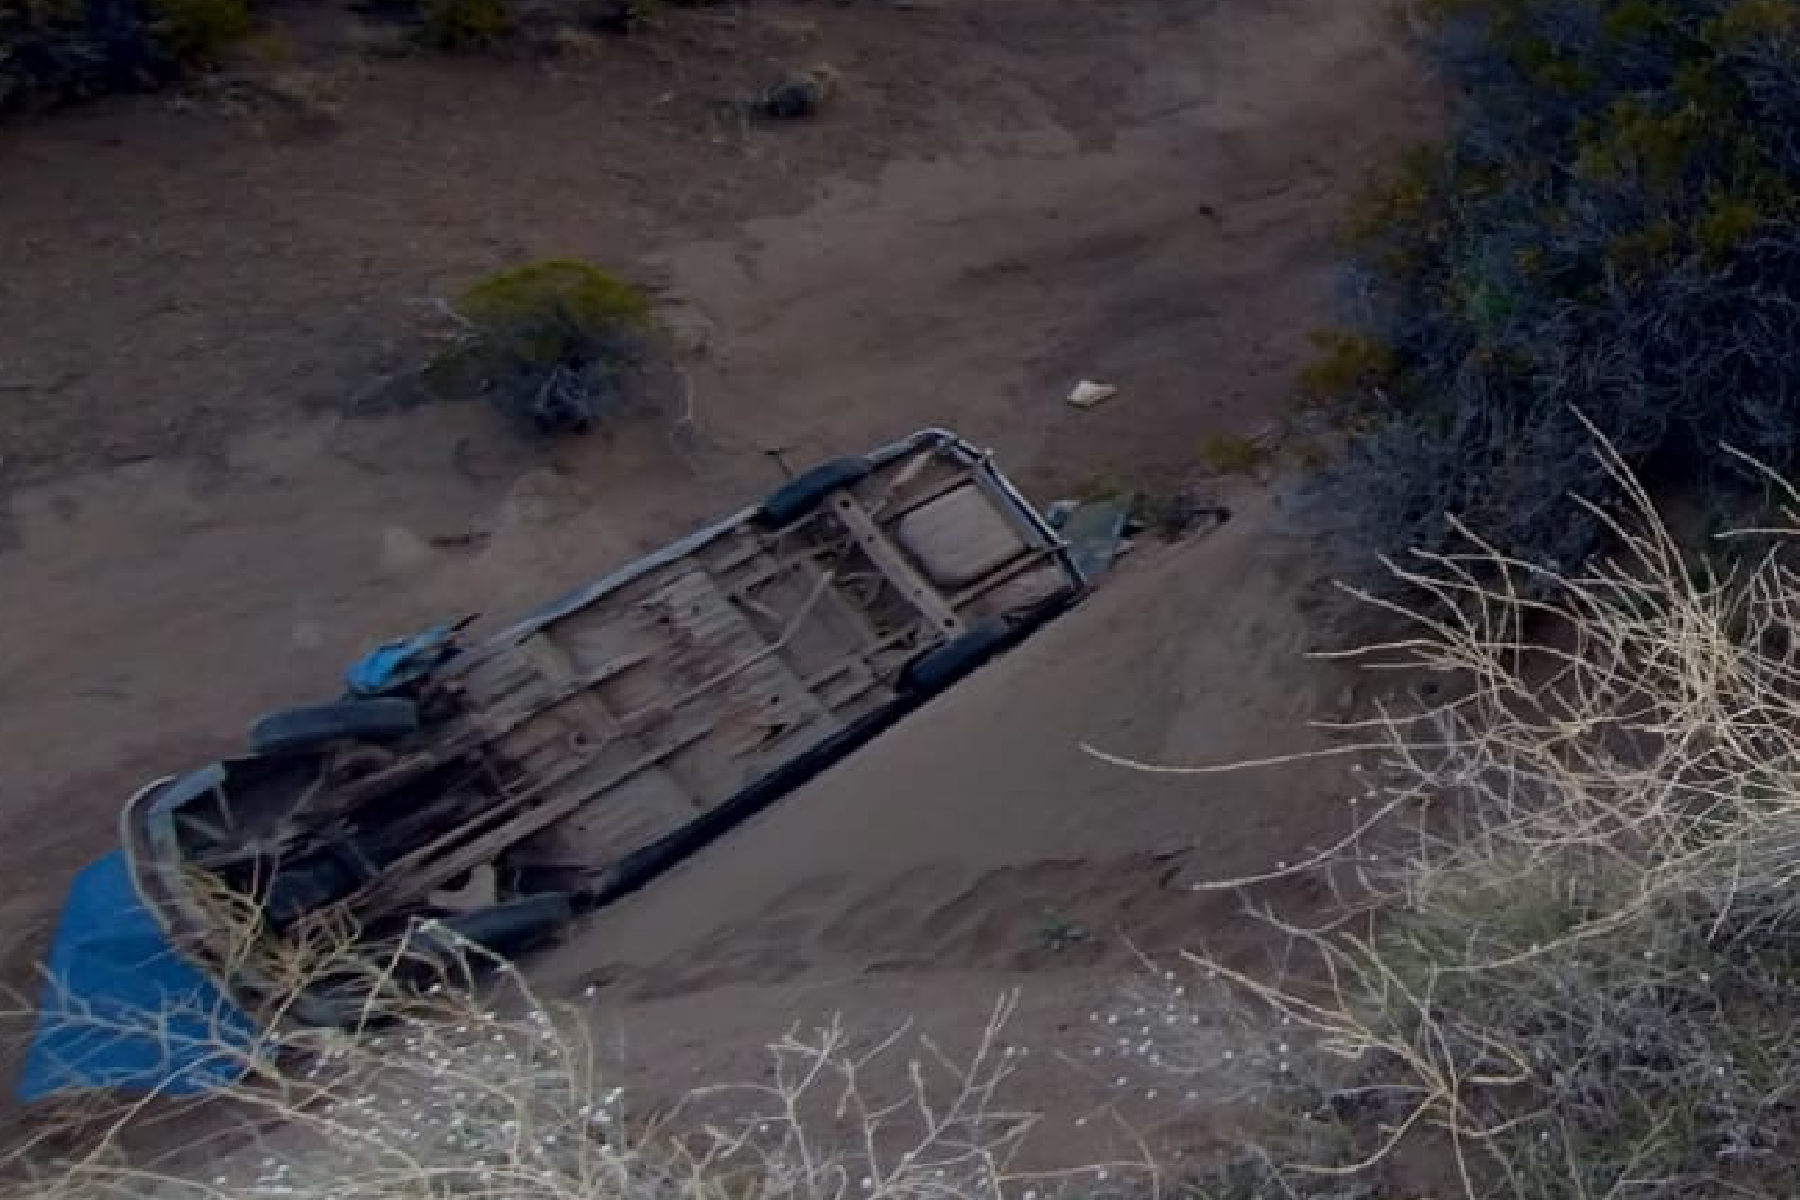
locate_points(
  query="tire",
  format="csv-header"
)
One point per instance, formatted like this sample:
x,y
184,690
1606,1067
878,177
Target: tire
x,y
374,720
937,669
801,495
512,926
450,955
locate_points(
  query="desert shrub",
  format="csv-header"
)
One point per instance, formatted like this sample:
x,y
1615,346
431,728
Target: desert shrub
x,y
464,24
506,1097
55,51
1613,228
562,26
1575,972
552,343
198,31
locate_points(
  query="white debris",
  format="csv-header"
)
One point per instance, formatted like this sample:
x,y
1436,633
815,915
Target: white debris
x,y
1087,393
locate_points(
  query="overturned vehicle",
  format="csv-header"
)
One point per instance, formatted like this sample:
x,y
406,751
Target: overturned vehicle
x,y
488,791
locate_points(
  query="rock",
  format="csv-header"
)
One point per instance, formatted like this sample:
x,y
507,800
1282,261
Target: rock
x,y
800,94
1087,393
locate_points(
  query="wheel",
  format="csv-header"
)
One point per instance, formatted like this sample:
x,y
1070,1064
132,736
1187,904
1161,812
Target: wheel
x,y
449,953
511,926
800,495
373,720
938,668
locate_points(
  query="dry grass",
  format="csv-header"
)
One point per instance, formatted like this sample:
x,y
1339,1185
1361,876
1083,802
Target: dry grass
x,y
1567,969
479,1087
1571,969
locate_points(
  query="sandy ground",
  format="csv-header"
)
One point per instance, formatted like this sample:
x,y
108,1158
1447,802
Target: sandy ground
x,y
942,867
208,509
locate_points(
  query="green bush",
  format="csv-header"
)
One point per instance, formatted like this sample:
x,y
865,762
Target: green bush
x,y
557,26
1613,230
199,31
56,51
590,296
457,25
551,342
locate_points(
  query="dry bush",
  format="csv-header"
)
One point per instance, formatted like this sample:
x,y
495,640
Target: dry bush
x,y
1575,972
495,1092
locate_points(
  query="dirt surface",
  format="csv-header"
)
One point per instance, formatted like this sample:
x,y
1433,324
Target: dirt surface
x,y
981,848
211,503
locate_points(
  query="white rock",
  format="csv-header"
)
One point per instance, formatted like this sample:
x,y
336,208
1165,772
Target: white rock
x,y
1087,393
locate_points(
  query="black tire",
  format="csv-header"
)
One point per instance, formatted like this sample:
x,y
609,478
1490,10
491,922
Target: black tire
x,y
382,719
937,669
451,954
512,926
801,495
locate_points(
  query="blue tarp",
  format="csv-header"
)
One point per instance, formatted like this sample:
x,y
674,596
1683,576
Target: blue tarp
x,y
394,665
120,1009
